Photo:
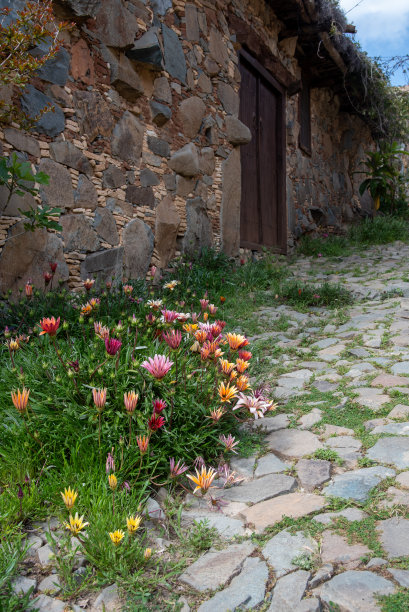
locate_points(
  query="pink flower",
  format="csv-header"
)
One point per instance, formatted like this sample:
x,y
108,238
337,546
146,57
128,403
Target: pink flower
x,y
110,464
112,346
213,309
156,422
176,469
204,304
319,254
169,315
173,339
159,366
228,442
158,405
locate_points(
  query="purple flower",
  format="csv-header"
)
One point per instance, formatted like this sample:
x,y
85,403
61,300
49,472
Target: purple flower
x,y
110,464
176,469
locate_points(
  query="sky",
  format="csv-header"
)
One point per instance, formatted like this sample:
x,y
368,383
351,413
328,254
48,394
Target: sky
x,y
382,28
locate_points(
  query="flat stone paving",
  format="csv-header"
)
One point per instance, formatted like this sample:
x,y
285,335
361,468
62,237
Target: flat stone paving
x,y
360,363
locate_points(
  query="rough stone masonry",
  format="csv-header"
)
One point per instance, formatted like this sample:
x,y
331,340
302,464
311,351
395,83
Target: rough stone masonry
x,y
143,144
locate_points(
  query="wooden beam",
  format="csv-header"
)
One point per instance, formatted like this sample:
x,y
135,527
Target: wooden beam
x,y
333,53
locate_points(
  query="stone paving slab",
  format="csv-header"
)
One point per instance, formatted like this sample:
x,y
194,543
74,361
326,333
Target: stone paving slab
x,y
260,489
273,510
355,591
293,443
281,551
393,451
357,484
289,591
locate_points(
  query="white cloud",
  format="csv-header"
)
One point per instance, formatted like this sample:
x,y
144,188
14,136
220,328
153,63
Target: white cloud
x,y
385,22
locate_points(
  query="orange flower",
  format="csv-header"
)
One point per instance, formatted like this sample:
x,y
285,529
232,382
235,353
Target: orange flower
x,y
236,341
49,325
216,414
204,353
190,328
203,479
130,401
241,365
29,289
86,309
201,336
88,283
242,383
143,443
222,299
226,366
20,399
233,375
226,392
100,397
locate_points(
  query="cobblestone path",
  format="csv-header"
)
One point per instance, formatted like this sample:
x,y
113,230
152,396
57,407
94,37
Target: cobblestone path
x,y
335,461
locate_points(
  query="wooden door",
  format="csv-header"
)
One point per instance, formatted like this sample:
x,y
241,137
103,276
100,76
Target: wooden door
x,y
263,219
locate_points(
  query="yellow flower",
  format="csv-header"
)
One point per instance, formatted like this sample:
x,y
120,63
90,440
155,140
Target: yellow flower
x,y
241,365
242,383
171,285
133,523
76,524
116,537
113,482
203,479
226,366
147,553
236,341
190,328
20,399
14,345
226,392
69,496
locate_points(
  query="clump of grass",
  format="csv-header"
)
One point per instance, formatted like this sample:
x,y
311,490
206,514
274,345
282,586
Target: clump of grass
x,y
326,246
326,294
379,230
327,454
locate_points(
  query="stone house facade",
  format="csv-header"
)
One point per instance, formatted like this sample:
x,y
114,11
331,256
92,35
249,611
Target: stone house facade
x,y
178,125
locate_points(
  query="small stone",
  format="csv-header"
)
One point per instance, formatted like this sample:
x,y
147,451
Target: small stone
x,y
113,177
85,195
289,591
400,411
274,423
312,473
147,50
22,585
78,234
115,26
185,161
21,141
237,132
324,386
33,103
335,549
284,548
394,451
161,89
66,153
293,443
108,600
148,178
273,510
401,576
166,230
160,113
153,510
394,536
190,114
358,484
355,591
403,480
44,603
229,98
270,464
105,226
158,146
50,584
371,398
359,352
59,190
138,241
376,562
344,442
243,466
245,590
312,418
45,554
127,139
175,62
350,514
33,543
324,573
104,266
215,568
330,430
325,343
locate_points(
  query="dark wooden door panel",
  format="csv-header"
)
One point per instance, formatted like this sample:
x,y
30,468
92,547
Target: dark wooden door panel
x,y
263,219
249,217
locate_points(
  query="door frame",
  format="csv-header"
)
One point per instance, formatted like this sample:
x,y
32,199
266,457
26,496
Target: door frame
x,y
280,92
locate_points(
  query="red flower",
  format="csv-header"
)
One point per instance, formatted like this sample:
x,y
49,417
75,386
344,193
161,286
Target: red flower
x,y
112,346
245,355
47,277
158,405
156,422
49,326
53,266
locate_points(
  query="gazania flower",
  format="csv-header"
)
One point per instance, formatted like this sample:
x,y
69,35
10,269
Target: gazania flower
x,y
13,345
112,481
156,422
130,401
110,464
236,341
216,329
241,365
47,277
171,285
88,283
222,299
86,309
76,524
147,553
69,496
49,325
154,304
158,405
133,523
94,302
216,414
242,382
20,399
101,330
112,346
257,406
143,444
201,336
153,271
176,469
183,316
159,366
168,316
127,289
173,339
245,355
204,304
203,479
100,398
227,392
204,353
205,316
229,442
29,289
212,309
53,266
226,366
116,537
233,375
190,328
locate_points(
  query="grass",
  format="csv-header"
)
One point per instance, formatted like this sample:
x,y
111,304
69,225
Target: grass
x,y
379,230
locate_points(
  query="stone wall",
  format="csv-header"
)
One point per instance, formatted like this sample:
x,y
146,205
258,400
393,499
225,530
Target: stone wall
x,y
142,147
